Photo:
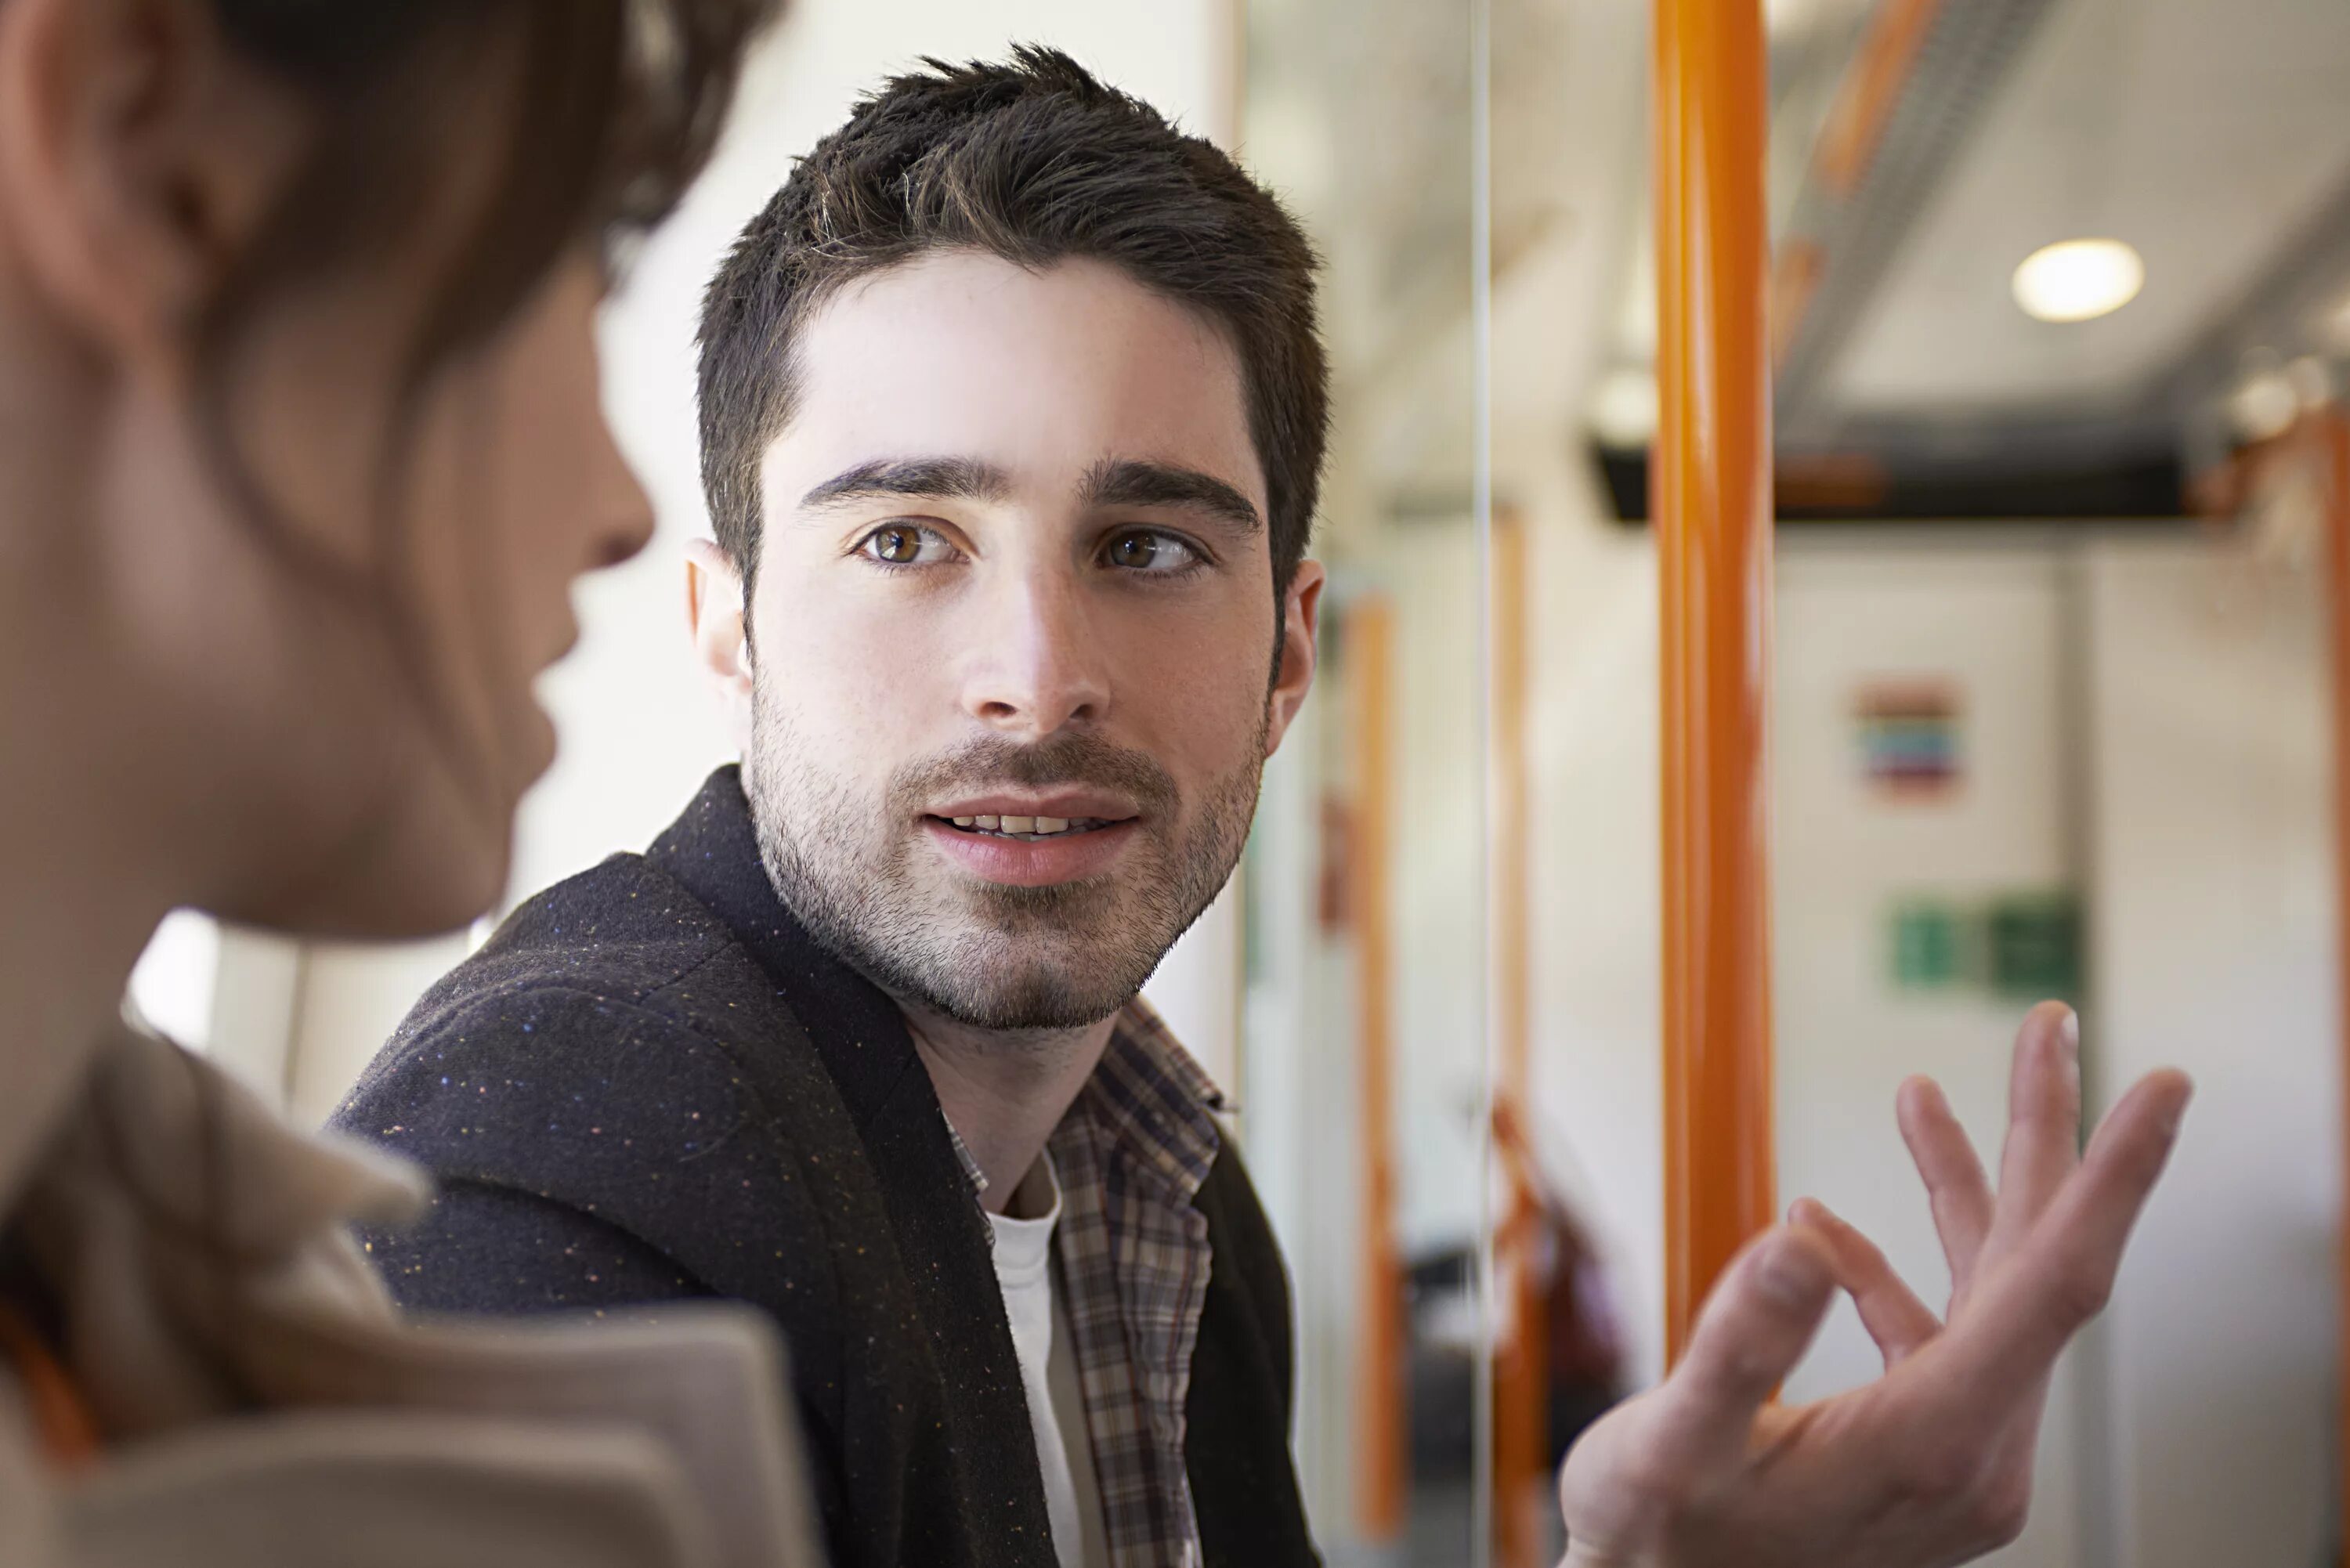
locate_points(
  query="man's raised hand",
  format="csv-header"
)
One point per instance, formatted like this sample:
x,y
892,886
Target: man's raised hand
x,y
1930,1464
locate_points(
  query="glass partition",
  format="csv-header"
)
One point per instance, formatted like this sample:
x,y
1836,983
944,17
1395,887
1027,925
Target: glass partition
x,y
1368,1111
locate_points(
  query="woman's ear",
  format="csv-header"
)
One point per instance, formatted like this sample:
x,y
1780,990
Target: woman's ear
x,y
717,618
138,156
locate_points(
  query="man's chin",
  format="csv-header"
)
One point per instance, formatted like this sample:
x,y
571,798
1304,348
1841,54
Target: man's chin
x,y
1026,1004
1041,981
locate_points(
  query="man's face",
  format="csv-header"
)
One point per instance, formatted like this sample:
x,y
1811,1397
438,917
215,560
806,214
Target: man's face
x,y
1017,660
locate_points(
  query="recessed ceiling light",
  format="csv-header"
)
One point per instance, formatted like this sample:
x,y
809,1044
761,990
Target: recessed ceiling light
x,y
2078,280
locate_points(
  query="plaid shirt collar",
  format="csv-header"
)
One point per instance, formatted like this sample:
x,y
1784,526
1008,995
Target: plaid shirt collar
x,y
1134,1261
1148,1086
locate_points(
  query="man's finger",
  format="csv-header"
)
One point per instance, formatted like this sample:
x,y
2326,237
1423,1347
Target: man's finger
x,y
1895,1319
2023,1317
2043,1123
1755,1327
1955,1183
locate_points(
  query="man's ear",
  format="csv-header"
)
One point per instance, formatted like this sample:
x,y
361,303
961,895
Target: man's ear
x,y
138,158
1301,625
714,614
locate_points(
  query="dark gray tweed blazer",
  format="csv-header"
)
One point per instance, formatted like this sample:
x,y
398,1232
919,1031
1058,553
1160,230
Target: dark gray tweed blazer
x,y
652,1086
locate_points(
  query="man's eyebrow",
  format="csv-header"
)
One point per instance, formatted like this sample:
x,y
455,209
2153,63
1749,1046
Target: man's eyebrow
x,y
917,478
1128,482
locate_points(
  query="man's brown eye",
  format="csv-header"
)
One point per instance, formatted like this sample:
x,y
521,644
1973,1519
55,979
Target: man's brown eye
x,y
1136,551
898,546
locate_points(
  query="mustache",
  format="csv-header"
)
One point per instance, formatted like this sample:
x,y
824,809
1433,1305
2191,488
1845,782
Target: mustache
x,y
1065,759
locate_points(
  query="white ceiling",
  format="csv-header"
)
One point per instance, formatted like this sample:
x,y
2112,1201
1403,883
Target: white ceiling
x,y
2205,132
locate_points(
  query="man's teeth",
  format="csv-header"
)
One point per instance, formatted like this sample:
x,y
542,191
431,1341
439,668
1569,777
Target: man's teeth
x,y
1027,827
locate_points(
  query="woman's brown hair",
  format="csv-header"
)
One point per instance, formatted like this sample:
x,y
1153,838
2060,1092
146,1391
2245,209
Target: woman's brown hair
x,y
613,108
594,115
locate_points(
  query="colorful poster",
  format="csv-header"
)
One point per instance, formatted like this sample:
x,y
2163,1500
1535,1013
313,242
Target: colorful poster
x,y
1910,737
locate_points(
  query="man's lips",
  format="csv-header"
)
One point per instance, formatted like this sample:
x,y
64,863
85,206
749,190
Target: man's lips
x,y
1070,804
1014,858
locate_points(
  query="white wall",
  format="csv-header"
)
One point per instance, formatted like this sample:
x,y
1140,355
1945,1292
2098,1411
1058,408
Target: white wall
x,y
638,733
2213,950
1989,622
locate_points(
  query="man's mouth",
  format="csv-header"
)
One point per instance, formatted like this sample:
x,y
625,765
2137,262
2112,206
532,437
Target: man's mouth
x,y
1027,848
1027,828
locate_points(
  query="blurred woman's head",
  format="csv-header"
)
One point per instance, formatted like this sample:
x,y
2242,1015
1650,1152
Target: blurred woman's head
x,y
300,417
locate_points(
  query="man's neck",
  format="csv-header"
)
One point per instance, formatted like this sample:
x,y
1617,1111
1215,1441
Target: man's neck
x,y
1005,1091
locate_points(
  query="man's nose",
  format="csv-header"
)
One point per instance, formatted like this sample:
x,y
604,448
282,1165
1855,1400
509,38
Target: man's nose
x,y
1037,668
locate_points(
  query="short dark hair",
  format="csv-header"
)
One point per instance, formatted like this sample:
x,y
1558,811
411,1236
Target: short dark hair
x,y
1035,161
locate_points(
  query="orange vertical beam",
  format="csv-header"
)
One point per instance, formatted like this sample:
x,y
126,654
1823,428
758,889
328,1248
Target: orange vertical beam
x,y
1521,1363
1382,1479
1870,90
1847,144
1712,494
2334,431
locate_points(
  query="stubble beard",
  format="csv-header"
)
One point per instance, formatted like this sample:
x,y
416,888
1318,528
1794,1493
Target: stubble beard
x,y
1018,961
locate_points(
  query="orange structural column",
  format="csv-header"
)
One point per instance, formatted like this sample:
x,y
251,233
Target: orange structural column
x,y
1711,485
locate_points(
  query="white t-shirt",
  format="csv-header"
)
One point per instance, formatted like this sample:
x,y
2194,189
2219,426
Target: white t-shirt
x,y
1048,1367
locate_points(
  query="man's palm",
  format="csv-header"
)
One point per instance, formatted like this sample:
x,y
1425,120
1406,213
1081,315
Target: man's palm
x,y
1930,1464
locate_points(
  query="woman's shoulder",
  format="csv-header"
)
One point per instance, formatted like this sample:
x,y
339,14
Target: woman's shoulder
x,y
402,1485
220,1235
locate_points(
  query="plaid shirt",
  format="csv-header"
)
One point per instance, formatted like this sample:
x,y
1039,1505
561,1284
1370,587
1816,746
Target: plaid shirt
x,y
1134,1258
